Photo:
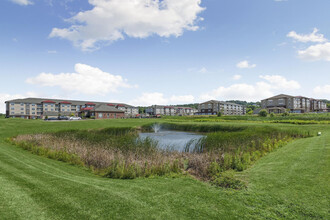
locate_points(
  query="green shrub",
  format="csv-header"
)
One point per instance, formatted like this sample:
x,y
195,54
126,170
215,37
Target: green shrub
x,y
227,180
263,113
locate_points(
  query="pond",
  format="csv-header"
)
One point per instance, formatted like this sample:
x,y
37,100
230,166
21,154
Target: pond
x,y
173,140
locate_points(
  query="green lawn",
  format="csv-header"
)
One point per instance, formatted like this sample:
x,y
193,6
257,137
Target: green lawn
x,y
290,183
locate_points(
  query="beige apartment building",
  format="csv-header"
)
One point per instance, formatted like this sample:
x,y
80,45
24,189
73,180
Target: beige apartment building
x,y
213,107
293,104
33,108
170,110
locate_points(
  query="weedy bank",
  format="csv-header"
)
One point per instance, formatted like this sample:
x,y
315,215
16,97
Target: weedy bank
x,y
120,153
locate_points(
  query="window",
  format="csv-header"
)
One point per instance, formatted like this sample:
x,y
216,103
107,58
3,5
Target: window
x,y
22,109
12,108
13,113
12,103
63,106
33,104
52,105
52,109
22,104
46,109
46,105
22,113
100,115
68,106
33,113
68,110
33,109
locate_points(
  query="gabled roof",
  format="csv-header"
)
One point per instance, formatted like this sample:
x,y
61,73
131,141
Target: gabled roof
x,y
48,101
106,108
87,109
220,102
279,96
65,102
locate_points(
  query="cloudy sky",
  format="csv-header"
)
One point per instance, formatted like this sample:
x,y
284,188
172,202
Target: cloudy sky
x,y
145,52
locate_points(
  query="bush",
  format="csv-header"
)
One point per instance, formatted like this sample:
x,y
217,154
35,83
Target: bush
x,y
263,113
286,114
272,114
227,180
219,114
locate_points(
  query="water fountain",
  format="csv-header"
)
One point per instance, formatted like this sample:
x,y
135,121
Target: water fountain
x,y
174,140
156,127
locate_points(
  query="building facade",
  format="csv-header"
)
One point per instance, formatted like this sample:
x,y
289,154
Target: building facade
x,y
33,108
294,104
213,107
170,110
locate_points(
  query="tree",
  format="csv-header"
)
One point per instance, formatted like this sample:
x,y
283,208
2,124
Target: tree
x,y
219,114
263,113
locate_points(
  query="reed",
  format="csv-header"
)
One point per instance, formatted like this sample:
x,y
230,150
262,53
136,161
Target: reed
x,y
119,153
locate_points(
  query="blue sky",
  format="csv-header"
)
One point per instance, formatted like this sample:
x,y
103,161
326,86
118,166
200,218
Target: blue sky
x,y
164,52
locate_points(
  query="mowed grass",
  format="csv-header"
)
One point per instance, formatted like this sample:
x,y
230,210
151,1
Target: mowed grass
x,y
289,183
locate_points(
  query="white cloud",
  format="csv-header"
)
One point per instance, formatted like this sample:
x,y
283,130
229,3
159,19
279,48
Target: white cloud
x,y
111,20
312,37
86,79
203,70
237,77
280,82
322,91
22,2
156,98
252,92
245,65
316,52
6,97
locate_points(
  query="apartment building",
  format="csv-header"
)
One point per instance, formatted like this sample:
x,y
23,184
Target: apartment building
x,y
294,104
170,110
213,107
32,108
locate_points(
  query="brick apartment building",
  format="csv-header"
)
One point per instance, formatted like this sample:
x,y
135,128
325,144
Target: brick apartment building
x,y
33,108
294,104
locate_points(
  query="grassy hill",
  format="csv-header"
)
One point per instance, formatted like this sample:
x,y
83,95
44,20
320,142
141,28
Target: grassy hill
x,y
289,183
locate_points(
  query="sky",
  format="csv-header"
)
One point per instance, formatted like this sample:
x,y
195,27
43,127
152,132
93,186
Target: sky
x,y
145,52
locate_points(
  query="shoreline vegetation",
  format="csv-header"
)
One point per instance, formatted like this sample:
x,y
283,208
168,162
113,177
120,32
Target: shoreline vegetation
x,y
118,152
291,182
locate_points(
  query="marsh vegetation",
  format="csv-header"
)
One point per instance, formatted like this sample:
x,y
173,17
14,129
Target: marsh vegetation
x,y
121,153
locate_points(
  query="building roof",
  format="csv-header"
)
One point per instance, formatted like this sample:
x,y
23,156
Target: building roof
x,y
279,96
48,101
106,108
87,109
221,102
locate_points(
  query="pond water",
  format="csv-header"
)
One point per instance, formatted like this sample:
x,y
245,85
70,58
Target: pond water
x,y
173,140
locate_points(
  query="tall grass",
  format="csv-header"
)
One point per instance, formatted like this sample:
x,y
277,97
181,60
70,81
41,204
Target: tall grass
x,y
119,153
277,117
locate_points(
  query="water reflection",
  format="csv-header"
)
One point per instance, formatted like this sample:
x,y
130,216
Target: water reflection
x,y
173,140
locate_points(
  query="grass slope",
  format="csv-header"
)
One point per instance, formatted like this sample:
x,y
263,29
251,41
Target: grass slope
x,y
290,183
